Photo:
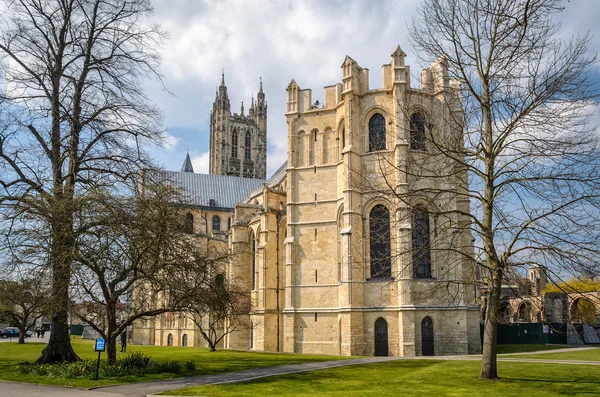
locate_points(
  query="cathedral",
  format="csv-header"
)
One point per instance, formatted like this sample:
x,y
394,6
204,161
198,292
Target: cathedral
x,y
332,264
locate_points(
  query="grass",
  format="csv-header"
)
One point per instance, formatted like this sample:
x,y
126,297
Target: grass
x,y
581,355
207,362
419,378
505,349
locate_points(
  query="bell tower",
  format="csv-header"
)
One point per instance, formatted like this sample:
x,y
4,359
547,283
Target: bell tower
x,y
238,142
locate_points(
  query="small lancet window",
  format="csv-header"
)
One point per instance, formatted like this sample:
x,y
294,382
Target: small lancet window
x,y
216,223
189,223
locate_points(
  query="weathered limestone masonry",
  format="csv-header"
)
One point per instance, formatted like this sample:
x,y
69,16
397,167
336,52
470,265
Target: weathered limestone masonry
x,y
306,243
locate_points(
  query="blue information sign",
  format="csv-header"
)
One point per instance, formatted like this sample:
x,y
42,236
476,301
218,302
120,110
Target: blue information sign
x,y
99,345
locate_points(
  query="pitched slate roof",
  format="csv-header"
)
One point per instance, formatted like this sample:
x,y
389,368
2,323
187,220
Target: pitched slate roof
x,y
200,189
278,175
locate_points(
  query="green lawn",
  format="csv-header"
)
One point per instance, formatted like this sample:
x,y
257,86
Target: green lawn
x,y
504,349
419,378
583,355
207,362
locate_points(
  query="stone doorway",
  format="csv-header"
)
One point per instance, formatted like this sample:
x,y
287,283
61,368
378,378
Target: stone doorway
x,y
381,337
427,346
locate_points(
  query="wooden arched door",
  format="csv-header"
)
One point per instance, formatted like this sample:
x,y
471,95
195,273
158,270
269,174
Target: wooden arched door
x,y
427,346
381,337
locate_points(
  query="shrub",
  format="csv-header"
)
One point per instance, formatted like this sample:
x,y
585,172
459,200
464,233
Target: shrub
x,y
135,363
135,360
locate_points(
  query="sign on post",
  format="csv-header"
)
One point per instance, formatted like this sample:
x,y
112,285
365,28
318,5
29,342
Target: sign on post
x,y
99,346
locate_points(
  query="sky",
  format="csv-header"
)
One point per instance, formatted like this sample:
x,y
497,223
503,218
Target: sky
x,y
281,40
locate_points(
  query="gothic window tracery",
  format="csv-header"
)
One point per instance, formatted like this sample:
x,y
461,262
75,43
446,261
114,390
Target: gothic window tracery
x,y
234,144
377,133
421,255
248,146
380,242
417,132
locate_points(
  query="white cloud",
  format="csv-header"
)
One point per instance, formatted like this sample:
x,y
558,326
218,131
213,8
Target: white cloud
x,y
280,40
169,142
200,163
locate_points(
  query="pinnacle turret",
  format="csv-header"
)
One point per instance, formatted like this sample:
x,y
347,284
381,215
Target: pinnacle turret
x,y
187,164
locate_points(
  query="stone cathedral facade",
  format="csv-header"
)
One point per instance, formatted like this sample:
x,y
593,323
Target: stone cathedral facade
x,y
332,265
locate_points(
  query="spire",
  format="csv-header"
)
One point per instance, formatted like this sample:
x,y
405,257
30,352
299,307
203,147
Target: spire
x,y
222,77
187,164
242,113
261,90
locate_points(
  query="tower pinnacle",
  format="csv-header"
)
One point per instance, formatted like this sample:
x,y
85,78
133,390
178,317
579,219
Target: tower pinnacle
x,y
187,164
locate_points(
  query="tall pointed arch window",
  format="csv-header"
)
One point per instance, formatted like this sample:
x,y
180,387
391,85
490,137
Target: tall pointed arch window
x,y
253,259
417,132
234,144
380,242
248,146
421,255
376,133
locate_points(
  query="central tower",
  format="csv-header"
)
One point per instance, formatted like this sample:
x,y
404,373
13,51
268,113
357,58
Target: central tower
x,y
238,142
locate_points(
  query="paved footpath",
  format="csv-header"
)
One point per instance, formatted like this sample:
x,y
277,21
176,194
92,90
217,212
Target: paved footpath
x,y
14,389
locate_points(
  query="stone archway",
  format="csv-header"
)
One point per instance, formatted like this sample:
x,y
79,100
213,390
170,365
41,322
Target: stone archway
x,y
524,313
582,311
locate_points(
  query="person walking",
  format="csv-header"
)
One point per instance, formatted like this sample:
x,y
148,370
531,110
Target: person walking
x,y
124,341
43,332
38,332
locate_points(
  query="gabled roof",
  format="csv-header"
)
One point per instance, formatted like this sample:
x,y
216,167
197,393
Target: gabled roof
x,y
200,189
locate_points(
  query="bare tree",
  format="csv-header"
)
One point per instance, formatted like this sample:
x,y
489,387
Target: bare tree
x,y
135,252
23,302
75,119
528,149
218,308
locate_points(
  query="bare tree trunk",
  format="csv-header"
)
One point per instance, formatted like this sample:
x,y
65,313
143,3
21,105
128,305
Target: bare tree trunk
x,y
111,338
111,349
21,333
489,367
59,347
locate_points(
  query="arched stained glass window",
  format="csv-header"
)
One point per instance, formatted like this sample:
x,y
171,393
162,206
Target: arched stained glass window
x,y
417,132
170,340
248,146
380,244
216,223
234,144
420,243
184,340
376,133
